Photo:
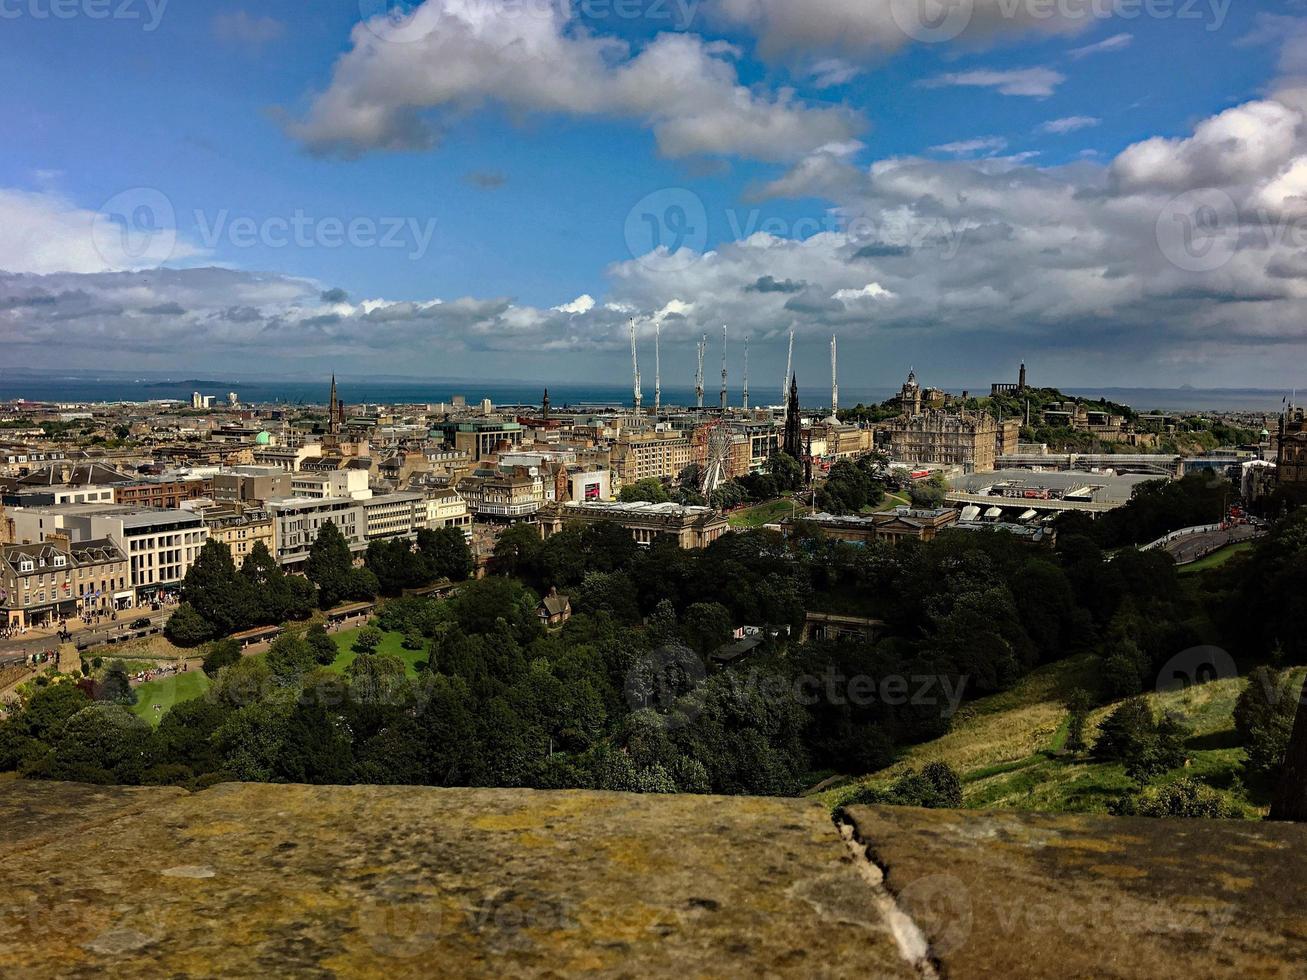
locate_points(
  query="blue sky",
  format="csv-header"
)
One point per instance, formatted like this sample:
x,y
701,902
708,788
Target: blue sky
x,y
522,202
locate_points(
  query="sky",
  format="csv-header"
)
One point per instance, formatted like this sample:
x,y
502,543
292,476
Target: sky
x,y
1114,191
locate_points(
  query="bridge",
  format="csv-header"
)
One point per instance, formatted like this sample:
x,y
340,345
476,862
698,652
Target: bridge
x,y
1151,463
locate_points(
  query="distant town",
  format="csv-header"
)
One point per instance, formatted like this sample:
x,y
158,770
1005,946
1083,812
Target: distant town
x,y
104,507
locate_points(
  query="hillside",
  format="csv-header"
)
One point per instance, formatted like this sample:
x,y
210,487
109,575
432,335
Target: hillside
x,y
1008,748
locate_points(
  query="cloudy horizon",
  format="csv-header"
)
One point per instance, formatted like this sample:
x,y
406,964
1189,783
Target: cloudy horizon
x,y
496,188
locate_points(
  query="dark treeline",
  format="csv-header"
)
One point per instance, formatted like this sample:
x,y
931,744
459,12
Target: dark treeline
x,y
628,694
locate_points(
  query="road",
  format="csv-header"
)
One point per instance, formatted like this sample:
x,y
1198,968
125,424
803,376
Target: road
x,y
86,636
1195,546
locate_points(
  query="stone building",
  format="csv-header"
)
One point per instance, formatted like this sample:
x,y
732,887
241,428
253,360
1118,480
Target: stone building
x,y
1291,458
653,454
892,526
688,527
945,438
54,579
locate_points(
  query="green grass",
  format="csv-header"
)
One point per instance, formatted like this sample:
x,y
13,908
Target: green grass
x,y
891,502
768,513
391,643
1008,749
168,691
1217,558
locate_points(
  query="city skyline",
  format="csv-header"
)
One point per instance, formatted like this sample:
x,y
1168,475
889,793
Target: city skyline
x,y
446,190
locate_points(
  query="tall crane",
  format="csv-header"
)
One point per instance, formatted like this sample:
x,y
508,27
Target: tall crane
x,y
723,367
635,370
746,373
698,378
658,369
834,379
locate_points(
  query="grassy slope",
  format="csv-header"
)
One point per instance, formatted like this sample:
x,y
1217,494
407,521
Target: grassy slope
x,y
1217,558
768,513
1007,747
167,692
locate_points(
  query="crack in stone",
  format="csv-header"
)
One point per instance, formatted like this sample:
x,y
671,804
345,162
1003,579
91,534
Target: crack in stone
x,y
913,945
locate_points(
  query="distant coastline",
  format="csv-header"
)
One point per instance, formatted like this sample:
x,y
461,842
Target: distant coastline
x,y
86,389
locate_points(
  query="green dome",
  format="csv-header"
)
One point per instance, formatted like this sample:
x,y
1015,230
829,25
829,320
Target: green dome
x,y
262,439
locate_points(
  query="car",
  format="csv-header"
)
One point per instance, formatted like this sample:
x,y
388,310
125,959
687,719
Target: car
x,y
141,624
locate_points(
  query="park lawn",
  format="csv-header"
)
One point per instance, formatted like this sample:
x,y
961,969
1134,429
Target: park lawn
x,y
391,643
1217,558
767,513
891,502
168,691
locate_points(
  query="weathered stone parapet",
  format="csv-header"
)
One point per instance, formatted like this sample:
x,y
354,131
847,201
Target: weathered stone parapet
x,y
391,882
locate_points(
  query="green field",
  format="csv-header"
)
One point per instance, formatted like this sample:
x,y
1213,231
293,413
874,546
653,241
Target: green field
x,y
391,643
1008,748
1217,558
168,691
768,513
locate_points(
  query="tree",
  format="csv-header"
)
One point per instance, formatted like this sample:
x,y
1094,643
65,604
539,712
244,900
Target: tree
x,y
1146,747
102,743
368,640
116,686
649,490
213,589
1185,798
330,565
447,553
186,627
323,646
930,494
517,550
222,653
785,470
937,786
1263,717
1078,704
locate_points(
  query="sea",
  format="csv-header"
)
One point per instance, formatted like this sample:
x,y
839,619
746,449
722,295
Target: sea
x,y
55,387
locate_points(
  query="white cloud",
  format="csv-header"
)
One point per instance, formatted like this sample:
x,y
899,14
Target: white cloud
x,y
1029,82
873,290
242,28
1069,124
459,54
984,144
582,304
870,27
44,232
1117,42
1247,142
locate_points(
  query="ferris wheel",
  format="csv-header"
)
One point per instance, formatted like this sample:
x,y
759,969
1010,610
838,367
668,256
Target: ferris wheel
x,y
718,464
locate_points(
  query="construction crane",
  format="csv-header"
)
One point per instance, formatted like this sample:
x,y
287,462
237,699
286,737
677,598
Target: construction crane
x,y
834,380
635,370
658,369
723,368
698,378
746,373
